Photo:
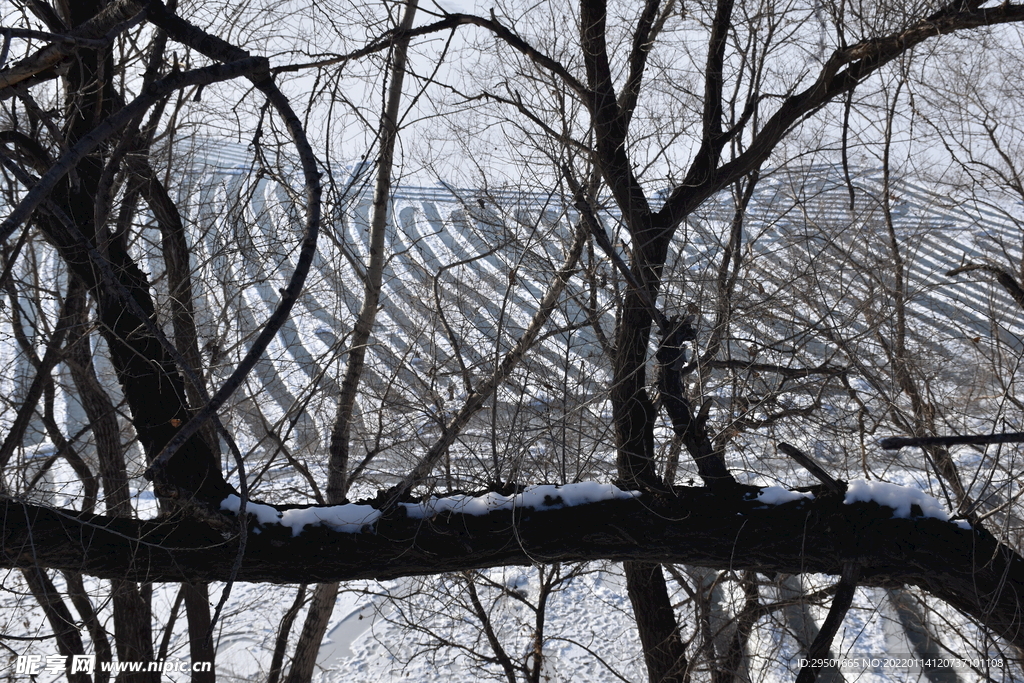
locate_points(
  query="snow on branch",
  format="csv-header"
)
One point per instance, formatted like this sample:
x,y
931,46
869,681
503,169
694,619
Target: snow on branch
x,y
353,517
899,498
735,529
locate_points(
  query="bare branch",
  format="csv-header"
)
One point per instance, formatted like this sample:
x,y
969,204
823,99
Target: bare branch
x,y
861,60
103,28
484,390
114,123
894,443
1003,277
823,641
808,464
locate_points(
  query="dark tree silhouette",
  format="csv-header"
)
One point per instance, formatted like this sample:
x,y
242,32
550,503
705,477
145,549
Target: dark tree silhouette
x,y
92,95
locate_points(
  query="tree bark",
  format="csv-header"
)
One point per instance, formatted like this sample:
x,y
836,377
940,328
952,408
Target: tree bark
x,y
321,605
652,609
968,568
200,639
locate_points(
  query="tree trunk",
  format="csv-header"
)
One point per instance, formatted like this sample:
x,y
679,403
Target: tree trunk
x,y
313,629
200,639
324,595
652,608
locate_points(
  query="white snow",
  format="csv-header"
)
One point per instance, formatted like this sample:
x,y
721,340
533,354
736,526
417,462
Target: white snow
x,y
538,497
899,498
350,518
777,495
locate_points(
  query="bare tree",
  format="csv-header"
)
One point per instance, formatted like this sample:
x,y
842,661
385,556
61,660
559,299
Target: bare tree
x,y
697,262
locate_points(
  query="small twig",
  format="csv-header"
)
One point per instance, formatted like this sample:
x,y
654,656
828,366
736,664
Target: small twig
x,y
808,464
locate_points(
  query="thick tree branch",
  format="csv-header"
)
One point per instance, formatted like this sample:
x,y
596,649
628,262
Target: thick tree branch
x,y
664,650
215,48
337,467
609,123
784,371
648,26
893,443
103,28
593,224
450,21
967,568
819,649
712,138
814,468
688,427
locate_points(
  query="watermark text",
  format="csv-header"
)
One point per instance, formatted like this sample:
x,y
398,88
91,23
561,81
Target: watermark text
x,y
33,665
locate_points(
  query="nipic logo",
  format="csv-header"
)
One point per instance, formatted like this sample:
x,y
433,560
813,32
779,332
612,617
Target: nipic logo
x,y
33,665
55,664
28,664
83,664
